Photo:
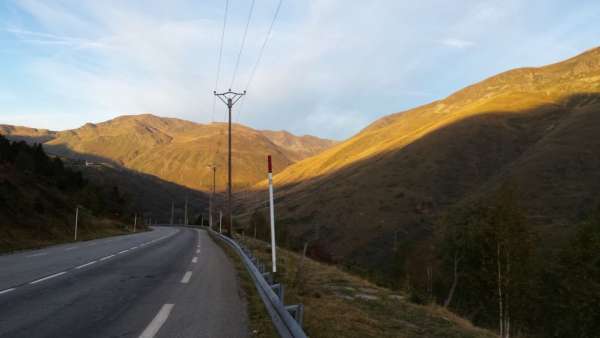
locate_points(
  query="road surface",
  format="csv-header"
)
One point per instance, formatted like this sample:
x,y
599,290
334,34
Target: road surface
x,y
170,282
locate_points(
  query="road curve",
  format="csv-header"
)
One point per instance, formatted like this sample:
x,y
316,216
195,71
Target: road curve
x,y
170,282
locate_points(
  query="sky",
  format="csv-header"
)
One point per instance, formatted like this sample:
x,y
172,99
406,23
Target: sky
x,y
329,67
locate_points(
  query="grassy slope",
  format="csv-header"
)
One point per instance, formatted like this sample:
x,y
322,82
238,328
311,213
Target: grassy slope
x,y
534,127
335,304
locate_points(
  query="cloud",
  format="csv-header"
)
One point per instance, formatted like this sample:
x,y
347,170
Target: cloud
x,y
52,39
330,67
457,43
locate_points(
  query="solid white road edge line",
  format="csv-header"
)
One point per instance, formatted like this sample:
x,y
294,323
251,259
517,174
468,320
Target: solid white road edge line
x,y
186,278
37,254
106,257
7,291
124,251
158,321
49,277
71,248
86,264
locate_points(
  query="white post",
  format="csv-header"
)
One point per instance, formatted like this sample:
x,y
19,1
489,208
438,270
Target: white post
x,y
272,210
220,220
134,222
76,221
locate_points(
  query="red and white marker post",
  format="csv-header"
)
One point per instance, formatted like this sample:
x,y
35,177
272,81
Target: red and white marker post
x,y
272,207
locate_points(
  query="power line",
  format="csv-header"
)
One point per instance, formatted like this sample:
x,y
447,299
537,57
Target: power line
x,y
220,58
262,49
260,55
237,63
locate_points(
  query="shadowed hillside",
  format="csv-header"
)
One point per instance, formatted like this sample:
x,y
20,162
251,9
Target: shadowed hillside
x,y
149,195
533,125
376,202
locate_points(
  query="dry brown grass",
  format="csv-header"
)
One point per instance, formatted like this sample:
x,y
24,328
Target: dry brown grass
x,y
334,307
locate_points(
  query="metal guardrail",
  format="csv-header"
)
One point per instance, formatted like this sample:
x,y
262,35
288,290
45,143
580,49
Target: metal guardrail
x,y
286,319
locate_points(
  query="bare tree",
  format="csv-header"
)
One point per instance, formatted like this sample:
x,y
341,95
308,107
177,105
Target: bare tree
x,y
457,259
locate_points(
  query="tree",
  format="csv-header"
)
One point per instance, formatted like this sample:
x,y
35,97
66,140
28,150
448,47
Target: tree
x,y
259,226
490,248
24,161
577,291
5,149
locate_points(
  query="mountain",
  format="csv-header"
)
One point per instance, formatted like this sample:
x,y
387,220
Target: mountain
x,y
175,150
29,135
532,128
297,148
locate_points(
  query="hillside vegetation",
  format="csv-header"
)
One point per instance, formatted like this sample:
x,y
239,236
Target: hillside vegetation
x,y
38,197
339,304
382,201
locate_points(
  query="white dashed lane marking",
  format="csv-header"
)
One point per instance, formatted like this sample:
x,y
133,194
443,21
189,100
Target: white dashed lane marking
x,y
48,277
86,264
107,257
167,307
158,321
186,278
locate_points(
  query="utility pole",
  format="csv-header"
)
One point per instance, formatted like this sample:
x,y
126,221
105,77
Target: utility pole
x,y
229,98
76,222
210,200
134,222
272,212
172,212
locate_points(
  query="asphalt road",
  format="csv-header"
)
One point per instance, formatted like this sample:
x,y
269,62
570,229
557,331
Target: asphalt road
x,y
170,282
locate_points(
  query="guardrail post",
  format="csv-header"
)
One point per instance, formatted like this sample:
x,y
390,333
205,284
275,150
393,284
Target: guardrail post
x,y
278,289
297,311
268,277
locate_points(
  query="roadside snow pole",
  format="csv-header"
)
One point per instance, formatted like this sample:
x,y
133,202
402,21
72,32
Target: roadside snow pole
x,y
76,221
272,210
